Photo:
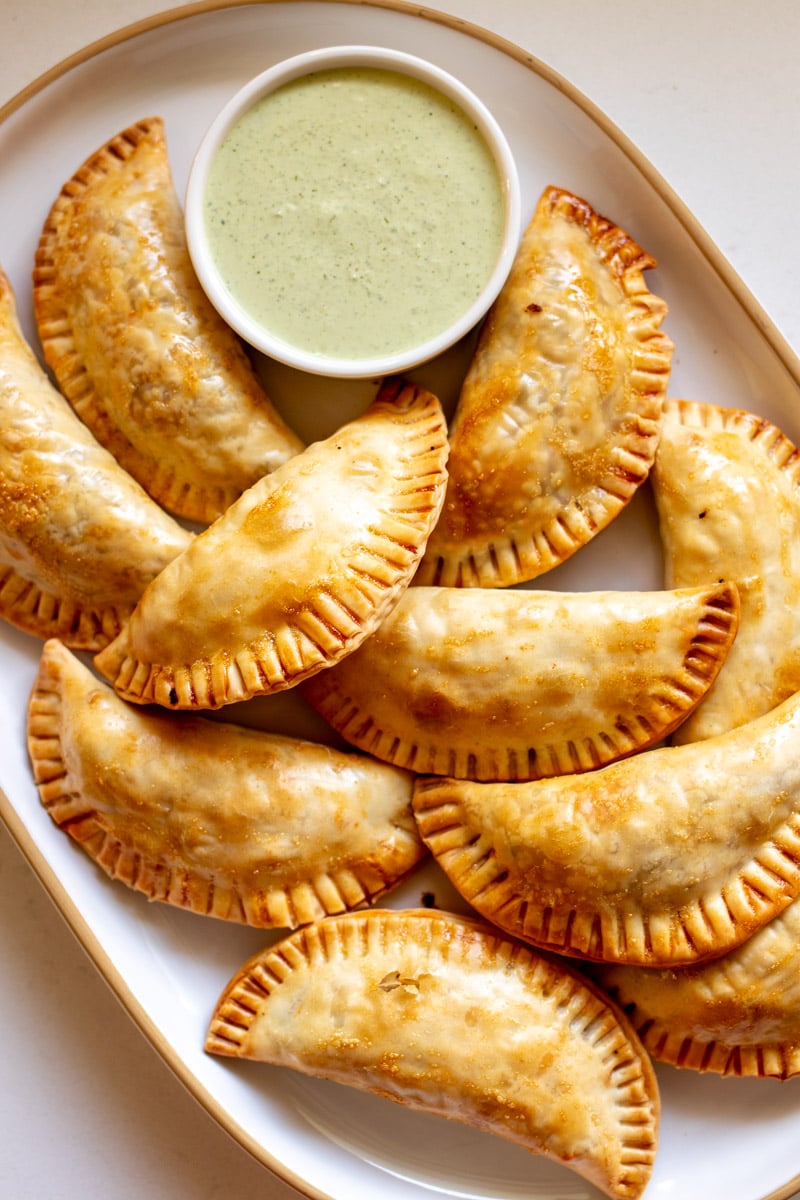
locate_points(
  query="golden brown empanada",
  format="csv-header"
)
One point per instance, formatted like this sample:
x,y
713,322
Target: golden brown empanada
x,y
726,486
135,345
298,571
738,1015
673,856
79,539
490,684
226,821
444,1014
559,415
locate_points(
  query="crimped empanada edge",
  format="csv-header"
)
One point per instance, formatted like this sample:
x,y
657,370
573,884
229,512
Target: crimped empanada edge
x,y
779,454
667,707
598,1021
329,625
677,1048
700,930
58,343
510,560
44,614
772,441
282,906
193,499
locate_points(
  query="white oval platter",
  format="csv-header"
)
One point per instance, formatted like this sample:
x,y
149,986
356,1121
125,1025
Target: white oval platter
x,y
737,1138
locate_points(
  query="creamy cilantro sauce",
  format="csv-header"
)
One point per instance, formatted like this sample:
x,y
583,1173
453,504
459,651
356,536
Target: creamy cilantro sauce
x,y
354,212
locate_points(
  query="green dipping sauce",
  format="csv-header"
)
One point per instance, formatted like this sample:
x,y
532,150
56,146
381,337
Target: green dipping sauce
x,y
354,212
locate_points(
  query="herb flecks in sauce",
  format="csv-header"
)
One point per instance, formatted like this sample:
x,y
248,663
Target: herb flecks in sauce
x,y
355,212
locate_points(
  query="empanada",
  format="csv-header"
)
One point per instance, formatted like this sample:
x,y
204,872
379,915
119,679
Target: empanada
x,y
559,415
480,683
134,343
738,1015
79,539
726,487
444,1014
223,820
673,856
298,571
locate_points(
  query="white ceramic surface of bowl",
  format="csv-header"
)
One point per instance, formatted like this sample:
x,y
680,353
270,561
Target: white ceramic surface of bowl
x,y
441,333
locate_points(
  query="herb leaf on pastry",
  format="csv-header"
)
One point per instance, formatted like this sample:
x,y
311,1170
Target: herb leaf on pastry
x,y
446,1015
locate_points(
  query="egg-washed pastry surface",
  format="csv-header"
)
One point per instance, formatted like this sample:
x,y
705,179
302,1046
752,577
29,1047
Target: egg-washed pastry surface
x,y
223,820
481,683
738,1015
298,571
560,411
726,487
79,539
444,1014
671,857
134,343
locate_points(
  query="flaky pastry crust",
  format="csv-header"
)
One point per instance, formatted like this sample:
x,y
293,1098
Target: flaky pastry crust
x,y
79,539
489,684
738,1015
671,857
135,345
726,487
560,412
220,819
444,1014
298,571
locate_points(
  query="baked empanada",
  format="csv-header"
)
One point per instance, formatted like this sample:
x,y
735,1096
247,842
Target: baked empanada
x,y
298,571
559,415
223,820
79,539
726,487
489,684
134,343
673,856
738,1015
444,1014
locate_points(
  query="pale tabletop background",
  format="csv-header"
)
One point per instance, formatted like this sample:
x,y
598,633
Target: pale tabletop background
x,y
710,92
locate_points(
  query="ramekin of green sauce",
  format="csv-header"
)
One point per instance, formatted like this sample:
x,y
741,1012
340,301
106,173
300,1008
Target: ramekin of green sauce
x,y
353,211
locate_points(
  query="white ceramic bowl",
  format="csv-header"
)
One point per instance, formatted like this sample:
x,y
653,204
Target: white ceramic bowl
x,y
256,331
